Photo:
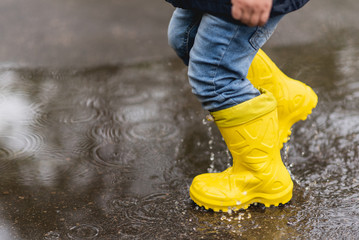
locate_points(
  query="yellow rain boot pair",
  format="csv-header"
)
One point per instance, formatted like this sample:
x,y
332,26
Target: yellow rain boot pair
x,y
258,174
295,99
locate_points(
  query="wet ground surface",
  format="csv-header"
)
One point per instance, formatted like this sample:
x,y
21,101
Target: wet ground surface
x,y
107,148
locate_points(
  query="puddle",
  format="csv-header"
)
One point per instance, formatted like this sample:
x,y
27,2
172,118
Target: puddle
x,y
110,152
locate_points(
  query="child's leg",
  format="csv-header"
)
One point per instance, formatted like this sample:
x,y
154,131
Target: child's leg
x,y
220,59
247,117
262,73
182,31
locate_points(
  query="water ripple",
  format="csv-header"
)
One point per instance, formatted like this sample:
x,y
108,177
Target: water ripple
x,y
149,217
112,154
92,102
84,231
52,235
140,112
20,145
150,209
128,94
107,145
152,130
103,131
71,115
130,230
5,153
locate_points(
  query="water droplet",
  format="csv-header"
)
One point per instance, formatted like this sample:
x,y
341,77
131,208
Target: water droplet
x,y
211,157
209,118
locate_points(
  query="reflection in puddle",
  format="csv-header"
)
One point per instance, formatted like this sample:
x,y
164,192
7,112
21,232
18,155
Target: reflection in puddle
x,y
110,152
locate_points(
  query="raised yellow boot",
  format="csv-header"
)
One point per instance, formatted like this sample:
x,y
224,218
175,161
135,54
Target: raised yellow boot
x,y
295,99
258,174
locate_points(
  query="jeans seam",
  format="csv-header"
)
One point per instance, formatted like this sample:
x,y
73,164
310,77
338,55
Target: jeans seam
x,y
252,41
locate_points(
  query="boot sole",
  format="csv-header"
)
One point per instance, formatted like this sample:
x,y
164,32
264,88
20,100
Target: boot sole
x,y
267,200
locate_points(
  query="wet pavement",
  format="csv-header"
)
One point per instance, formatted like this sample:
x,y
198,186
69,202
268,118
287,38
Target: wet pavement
x,y
100,135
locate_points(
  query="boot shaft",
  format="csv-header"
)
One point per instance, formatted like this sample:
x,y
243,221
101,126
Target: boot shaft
x,y
253,145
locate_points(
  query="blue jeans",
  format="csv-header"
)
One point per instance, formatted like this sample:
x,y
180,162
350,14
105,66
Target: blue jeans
x,y
218,54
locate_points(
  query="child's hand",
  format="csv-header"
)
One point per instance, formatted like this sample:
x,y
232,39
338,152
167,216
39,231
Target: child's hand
x,y
252,12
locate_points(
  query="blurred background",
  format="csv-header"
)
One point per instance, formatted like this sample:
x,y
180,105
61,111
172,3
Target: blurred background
x,y
89,32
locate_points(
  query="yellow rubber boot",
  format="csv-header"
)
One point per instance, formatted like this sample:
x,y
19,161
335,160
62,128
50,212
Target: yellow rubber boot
x,y
295,99
258,174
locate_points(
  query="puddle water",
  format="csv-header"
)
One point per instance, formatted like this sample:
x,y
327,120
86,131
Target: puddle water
x,y
110,152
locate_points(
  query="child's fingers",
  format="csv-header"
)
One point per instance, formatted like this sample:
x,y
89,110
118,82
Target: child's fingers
x,y
236,13
246,17
254,20
263,18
